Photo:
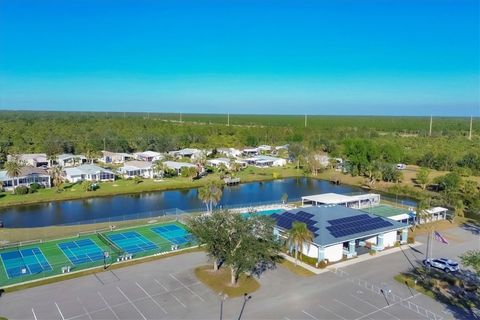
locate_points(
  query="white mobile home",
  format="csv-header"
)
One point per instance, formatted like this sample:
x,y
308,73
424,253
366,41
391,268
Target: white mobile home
x,y
178,166
88,172
27,176
36,160
137,168
70,160
115,157
149,156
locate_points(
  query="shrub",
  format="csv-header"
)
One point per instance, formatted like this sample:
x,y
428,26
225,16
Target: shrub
x,y
411,239
34,187
21,190
372,252
323,264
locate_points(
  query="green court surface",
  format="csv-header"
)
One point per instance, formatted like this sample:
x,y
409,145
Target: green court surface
x,y
386,211
27,262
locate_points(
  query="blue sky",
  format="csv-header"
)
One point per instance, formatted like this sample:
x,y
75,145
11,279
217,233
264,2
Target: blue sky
x,y
416,57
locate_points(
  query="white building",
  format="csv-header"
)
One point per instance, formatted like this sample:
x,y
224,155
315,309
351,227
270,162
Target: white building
x,y
70,160
115,157
36,160
264,148
340,232
230,152
27,176
355,202
266,161
178,166
250,151
88,172
433,214
149,156
218,162
137,168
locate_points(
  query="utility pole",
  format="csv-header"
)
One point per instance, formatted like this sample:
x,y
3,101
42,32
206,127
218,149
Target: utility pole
x,y
180,118
228,119
305,121
431,120
471,123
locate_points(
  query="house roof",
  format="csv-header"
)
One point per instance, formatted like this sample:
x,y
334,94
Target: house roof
x,y
109,153
136,164
148,153
178,165
38,157
320,219
435,210
219,160
86,169
24,171
70,156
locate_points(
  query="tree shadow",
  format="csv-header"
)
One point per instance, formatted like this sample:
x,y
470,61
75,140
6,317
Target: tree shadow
x,y
458,293
473,228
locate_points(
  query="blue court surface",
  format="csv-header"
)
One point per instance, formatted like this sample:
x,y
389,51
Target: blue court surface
x,y
24,262
174,234
131,242
81,251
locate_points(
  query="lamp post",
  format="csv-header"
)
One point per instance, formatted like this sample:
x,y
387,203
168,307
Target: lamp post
x,y
246,297
223,297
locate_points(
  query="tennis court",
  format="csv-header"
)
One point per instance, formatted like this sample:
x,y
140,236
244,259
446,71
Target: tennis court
x,y
23,262
131,242
173,233
81,251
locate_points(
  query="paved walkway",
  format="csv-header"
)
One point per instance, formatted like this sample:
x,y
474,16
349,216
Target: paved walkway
x,y
361,258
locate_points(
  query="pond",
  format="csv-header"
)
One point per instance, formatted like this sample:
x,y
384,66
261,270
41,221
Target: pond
x,y
144,205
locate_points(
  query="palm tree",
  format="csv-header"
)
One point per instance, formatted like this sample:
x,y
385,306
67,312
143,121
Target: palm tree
x,y
210,194
158,168
91,155
57,177
298,235
14,170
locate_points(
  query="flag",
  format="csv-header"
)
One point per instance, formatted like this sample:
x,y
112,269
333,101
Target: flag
x,y
437,236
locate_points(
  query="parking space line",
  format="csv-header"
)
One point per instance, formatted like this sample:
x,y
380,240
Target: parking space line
x,y
108,306
311,316
84,309
34,315
178,300
161,285
151,298
335,314
186,287
60,311
346,305
373,306
118,288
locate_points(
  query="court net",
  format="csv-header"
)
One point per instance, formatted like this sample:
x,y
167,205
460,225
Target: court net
x,y
110,243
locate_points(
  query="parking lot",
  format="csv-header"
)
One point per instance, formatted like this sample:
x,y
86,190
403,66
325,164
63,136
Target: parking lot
x,y
167,289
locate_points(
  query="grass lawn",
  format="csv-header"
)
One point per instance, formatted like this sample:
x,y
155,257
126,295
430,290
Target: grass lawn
x,y
220,281
122,186
298,270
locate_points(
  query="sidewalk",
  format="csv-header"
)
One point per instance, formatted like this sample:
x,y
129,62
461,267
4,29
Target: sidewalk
x,y
362,258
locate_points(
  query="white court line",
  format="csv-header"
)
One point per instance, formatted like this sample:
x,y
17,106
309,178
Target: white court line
x,y
346,305
308,314
331,312
118,288
193,292
108,306
84,309
34,315
161,285
60,311
178,300
154,301
381,309
374,306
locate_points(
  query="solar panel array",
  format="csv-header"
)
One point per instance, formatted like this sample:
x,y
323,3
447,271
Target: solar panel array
x,y
357,224
286,219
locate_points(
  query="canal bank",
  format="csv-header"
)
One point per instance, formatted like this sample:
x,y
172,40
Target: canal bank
x,y
145,205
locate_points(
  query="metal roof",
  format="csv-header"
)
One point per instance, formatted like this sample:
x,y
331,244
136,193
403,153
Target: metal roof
x,y
323,214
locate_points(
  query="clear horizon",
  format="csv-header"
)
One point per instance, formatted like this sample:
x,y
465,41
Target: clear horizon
x,y
273,57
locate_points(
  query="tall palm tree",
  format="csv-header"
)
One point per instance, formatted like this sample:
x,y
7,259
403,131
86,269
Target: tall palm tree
x,y
158,168
210,194
14,170
57,176
299,235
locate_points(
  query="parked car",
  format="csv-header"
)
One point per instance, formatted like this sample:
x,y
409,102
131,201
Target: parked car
x,y
401,166
444,264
